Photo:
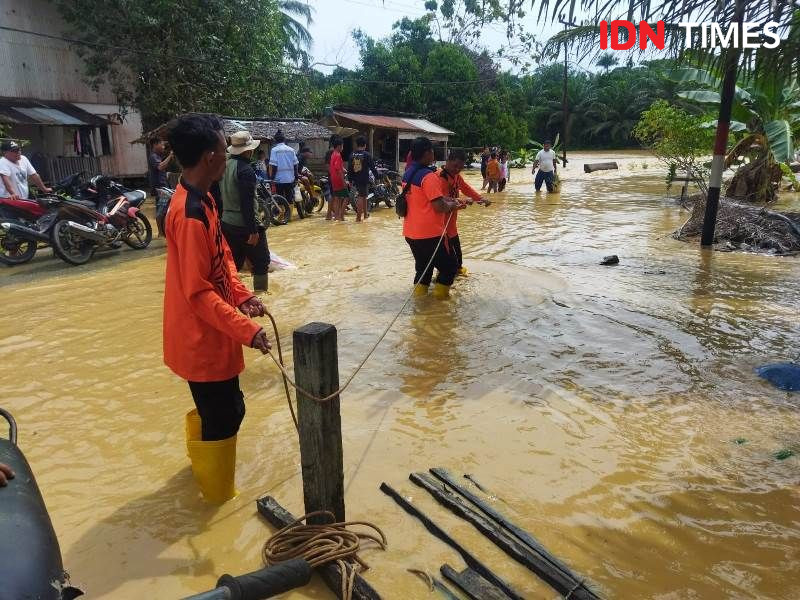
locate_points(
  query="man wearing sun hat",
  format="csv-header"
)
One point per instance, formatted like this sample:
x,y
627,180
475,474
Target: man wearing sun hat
x,y
245,234
15,170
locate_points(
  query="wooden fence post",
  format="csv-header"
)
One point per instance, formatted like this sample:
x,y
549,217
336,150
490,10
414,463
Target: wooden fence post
x,y
316,367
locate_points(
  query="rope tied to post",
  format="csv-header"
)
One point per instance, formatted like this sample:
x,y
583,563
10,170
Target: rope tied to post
x,y
323,544
287,377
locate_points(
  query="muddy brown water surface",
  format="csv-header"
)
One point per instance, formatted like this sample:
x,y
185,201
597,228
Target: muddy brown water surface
x,y
600,405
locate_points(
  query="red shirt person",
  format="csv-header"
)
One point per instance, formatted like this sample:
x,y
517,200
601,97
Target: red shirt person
x,y
453,185
207,309
425,223
336,173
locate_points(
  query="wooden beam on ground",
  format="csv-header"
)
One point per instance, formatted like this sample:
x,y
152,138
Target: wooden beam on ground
x,y
603,166
316,367
279,517
471,561
516,542
472,584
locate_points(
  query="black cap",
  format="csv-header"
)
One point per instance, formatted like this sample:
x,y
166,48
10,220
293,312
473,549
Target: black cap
x,y
9,146
547,142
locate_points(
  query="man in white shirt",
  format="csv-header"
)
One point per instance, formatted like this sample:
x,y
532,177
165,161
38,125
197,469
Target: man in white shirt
x,y
15,170
283,168
547,163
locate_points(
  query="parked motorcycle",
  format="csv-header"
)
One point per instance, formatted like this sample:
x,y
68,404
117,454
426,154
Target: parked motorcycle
x,y
16,218
25,224
311,195
81,227
271,208
385,189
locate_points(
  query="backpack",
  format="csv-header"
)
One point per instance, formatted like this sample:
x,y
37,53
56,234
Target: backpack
x,y
401,203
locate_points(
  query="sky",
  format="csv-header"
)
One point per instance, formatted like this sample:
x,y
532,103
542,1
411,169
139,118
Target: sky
x,y
335,19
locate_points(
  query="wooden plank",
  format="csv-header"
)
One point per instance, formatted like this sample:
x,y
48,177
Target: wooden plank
x,y
516,542
472,584
471,561
279,517
316,367
443,590
603,166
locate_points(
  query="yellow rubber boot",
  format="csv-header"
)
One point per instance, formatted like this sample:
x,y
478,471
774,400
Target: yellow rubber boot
x,y
420,290
441,291
194,428
214,468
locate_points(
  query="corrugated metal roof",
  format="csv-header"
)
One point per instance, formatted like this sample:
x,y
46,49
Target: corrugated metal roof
x,y
45,112
399,123
426,125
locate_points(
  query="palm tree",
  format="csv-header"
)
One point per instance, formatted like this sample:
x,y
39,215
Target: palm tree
x,y
296,37
607,61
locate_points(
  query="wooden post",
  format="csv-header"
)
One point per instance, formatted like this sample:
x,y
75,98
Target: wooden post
x,y
316,367
371,146
685,190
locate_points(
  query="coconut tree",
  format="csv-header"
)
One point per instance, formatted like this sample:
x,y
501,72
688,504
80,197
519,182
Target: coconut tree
x,y
296,37
732,60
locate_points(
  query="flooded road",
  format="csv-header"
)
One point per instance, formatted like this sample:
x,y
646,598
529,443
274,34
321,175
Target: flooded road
x,y
612,411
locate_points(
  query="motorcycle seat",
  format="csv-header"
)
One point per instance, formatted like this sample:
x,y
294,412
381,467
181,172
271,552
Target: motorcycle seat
x,y
86,203
135,197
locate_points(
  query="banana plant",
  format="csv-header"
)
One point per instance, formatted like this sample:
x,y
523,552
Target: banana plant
x,y
766,104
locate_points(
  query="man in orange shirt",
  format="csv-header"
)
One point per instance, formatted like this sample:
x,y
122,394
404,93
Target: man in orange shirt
x,y
424,225
452,185
207,310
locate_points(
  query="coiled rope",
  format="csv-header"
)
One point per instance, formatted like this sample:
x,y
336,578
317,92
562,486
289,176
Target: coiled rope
x,y
287,377
323,544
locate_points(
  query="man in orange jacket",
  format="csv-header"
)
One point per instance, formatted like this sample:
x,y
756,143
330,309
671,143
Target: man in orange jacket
x,y
207,309
452,185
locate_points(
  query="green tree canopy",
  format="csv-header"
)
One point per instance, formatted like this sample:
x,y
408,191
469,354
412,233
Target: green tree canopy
x,y
225,57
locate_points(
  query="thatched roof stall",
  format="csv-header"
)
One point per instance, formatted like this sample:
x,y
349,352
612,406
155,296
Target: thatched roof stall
x,y
296,131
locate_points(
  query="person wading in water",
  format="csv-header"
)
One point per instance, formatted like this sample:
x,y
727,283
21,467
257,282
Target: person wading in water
x,y
425,222
245,234
207,310
452,185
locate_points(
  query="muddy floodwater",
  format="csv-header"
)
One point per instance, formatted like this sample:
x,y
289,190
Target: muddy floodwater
x,y
613,412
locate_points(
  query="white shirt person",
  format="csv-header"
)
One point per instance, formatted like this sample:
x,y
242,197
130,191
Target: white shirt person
x,y
15,170
546,162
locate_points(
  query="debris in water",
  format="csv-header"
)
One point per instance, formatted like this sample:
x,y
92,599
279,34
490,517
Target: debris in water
x,y
740,441
784,376
613,259
784,454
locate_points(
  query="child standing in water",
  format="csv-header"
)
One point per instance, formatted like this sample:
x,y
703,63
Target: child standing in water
x,y
493,173
504,172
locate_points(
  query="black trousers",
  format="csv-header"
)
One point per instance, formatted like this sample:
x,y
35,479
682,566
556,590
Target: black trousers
x,y
444,260
220,405
455,246
258,254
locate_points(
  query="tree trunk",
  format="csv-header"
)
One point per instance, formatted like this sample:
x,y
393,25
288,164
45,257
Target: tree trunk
x,y
754,182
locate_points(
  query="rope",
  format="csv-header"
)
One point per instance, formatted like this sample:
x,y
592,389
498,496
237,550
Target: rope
x,y
289,381
575,589
324,544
